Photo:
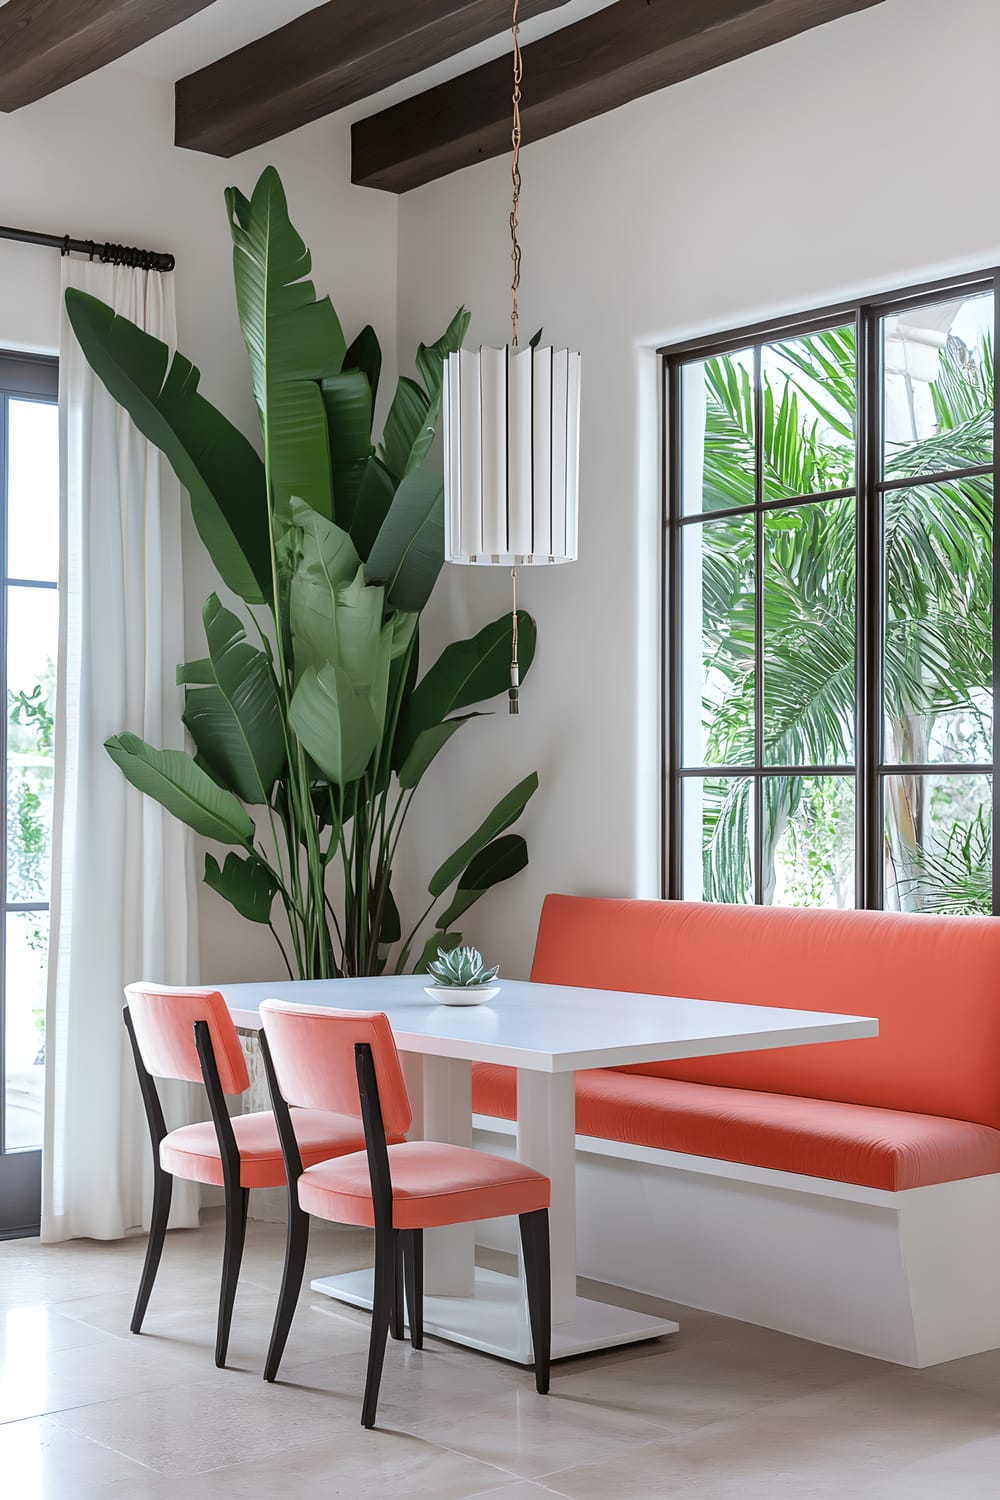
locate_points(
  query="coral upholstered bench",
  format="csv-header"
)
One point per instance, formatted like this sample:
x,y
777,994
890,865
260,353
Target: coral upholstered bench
x,y
848,1192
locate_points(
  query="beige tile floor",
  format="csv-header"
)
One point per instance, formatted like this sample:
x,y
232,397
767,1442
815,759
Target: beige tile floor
x,y
88,1412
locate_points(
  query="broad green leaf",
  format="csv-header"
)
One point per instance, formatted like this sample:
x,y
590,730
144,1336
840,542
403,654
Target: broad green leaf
x,y
390,928
365,353
326,552
498,861
209,770
466,672
431,357
195,673
361,650
347,399
335,723
426,746
409,428
375,494
379,692
211,458
506,812
237,722
171,778
446,941
321,560
404,628
247,884
399,684
294,341
217,739
408,552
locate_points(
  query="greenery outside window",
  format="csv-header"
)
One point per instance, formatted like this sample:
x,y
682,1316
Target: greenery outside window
x,y
829,627
29,626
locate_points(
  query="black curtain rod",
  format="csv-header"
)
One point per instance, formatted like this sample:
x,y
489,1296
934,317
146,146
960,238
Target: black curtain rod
x,y
118,255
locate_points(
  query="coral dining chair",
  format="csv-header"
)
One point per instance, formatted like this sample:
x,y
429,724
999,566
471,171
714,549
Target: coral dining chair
x,y
188,1034
347,1061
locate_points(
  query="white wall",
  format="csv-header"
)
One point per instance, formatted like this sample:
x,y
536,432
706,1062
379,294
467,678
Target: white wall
x,y
858,157
98,160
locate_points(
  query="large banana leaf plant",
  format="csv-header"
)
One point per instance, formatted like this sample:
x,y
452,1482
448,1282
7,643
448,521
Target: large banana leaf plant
x,y
312,741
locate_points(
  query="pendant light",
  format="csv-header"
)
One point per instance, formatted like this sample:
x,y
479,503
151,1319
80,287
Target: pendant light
x,y
512,439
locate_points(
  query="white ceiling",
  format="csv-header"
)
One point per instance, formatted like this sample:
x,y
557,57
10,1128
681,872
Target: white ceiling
x,y
229,24
209,35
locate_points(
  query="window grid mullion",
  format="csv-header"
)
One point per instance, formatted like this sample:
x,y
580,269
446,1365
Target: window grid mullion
x,y
784,502
869,610
758,626
673,654
922,481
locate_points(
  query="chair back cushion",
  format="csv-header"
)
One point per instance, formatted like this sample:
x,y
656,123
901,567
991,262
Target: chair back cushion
x,y
313,1053
933,982
164,1019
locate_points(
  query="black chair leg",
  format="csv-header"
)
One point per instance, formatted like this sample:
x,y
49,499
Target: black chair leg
x,y
385,1277
163,1184
237,1204
413,1266
396,1314
538,1280
296,1246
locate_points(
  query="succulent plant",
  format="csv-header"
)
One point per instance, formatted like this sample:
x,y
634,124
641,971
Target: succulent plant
x,y
461,968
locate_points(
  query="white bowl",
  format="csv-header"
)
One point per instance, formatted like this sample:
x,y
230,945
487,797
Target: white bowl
x,y
456,994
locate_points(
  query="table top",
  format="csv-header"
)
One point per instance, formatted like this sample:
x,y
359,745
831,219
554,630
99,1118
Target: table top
x,y
552,1028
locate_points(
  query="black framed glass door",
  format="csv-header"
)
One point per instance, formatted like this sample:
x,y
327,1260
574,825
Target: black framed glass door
x,y
29,625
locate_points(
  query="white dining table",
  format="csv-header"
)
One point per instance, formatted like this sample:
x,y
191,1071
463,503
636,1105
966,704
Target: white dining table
x,y
547,1032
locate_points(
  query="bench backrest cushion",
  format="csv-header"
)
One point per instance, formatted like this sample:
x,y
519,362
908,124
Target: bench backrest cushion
x,y
933,983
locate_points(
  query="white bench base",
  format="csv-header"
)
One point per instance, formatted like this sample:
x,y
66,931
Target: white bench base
x,y
910,1277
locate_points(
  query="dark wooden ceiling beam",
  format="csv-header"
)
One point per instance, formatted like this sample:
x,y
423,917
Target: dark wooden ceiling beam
x,y
45,44
330,57
631,48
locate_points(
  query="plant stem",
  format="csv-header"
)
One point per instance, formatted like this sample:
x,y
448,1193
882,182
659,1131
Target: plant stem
x,y
419,923
281,948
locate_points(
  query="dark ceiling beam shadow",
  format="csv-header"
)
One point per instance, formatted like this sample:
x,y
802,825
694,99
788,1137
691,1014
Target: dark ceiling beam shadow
x,y
633,47
330,57
45,44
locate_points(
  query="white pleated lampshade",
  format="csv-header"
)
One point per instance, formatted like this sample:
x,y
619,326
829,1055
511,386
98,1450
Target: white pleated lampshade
x,y
511,455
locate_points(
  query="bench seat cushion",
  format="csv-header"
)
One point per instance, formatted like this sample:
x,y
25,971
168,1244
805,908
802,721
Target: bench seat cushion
x,y
933,982
878,1148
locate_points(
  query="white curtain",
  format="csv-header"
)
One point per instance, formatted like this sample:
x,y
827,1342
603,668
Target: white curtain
x,y
123,897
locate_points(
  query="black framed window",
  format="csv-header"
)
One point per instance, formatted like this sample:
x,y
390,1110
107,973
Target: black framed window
x,y
29,624
829,631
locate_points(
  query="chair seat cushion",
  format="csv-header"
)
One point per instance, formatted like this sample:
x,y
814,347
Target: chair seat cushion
x,y
879,1148
192,1151
432,1184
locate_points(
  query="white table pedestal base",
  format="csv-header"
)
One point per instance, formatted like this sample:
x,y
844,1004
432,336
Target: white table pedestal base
x,y
495,1320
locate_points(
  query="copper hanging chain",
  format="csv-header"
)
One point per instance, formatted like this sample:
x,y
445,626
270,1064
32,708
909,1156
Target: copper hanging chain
x,y
513,579
515,256
515,668
515,173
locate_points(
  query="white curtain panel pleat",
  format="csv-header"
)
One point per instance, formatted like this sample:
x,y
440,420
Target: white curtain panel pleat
x,y
124,887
